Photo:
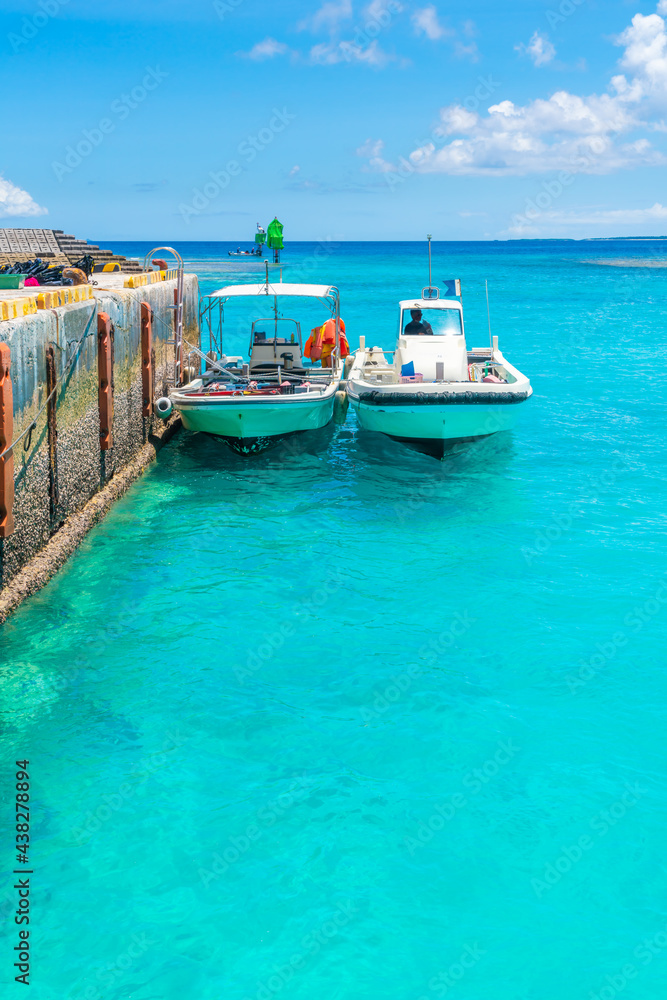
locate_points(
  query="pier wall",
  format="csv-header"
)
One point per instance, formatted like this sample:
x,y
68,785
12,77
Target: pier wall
x,y
61,465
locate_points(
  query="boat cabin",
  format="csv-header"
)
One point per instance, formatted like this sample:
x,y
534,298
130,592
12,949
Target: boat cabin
x,y
276,341
431,340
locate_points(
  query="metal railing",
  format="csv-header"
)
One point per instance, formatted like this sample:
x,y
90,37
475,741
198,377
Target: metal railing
x,y
178,310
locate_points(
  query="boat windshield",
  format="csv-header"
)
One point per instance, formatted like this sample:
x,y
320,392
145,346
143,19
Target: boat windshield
x,y
439,322
280,331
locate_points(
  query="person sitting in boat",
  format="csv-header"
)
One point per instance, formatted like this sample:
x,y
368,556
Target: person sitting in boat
x,y
416,327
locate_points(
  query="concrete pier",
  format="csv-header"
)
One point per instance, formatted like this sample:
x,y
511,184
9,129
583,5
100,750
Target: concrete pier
x,y
61,465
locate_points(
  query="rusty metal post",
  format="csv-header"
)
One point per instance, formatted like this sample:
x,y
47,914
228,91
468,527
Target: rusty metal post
x,y
52,428
6,435
147,358
105,375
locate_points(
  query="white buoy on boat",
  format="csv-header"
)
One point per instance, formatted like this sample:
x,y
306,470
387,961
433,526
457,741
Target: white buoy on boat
x,y
164,407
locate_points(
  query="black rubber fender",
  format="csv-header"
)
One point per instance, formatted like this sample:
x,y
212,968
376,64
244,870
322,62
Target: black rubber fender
x,y
468,398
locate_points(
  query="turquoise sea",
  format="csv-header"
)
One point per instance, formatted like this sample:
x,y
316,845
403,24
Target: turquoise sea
x,y
341,721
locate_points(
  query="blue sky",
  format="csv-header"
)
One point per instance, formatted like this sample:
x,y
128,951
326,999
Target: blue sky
x,y
383,120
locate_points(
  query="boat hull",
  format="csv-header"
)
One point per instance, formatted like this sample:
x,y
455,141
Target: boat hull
x,y
251,426
436,424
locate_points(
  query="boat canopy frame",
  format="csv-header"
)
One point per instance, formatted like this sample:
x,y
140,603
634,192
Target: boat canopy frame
x,y
179,297
211,307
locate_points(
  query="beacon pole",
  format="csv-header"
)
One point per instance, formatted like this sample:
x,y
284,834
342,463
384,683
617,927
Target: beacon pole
x,y
488,313
429,238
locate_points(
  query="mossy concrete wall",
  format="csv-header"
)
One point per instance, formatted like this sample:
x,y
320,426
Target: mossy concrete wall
x,y
46,492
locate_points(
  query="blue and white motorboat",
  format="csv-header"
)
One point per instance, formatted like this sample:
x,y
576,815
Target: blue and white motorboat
x,y
432,391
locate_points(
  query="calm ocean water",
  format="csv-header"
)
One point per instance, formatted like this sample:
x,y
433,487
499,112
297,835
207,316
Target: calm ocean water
x,y
342,721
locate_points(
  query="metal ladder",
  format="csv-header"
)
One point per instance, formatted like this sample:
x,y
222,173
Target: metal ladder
x,y
177,342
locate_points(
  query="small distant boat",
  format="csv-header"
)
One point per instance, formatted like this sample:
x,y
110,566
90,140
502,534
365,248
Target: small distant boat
x,y
253,406
432,391
274,243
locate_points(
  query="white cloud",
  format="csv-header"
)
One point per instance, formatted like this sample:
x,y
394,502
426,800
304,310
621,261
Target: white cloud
x,y
469,51
266,50
662,7
539,49
551,221
331,53
378,10
328,17
372,147
295,170
363,49
580,134
372,151
627,216
15,201
645,57
425,21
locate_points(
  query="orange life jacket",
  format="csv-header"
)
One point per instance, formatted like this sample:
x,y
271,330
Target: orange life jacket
x,y
322,341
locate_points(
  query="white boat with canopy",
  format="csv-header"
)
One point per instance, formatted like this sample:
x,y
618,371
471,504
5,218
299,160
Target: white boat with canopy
x,y
278,392
432,391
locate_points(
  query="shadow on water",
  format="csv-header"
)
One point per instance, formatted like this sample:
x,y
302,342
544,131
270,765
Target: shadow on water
x,y
347,475
209,452
472,476
495,450
295,472
345,454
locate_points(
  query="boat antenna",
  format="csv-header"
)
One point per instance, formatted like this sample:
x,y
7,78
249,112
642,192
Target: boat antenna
x,y
488,313
429,238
